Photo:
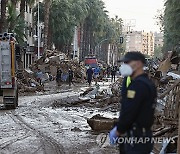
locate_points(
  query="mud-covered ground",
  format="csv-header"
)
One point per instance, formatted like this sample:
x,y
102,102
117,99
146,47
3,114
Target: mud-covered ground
x,y
37,127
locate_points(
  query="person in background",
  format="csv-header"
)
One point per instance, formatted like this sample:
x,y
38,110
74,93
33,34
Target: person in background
x,y
96,74
108,71
113,74
39,76
50,77
70,76
89,74
58,76
102,73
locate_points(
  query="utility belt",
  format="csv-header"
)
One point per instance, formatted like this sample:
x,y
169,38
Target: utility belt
x,y
137,131
138,139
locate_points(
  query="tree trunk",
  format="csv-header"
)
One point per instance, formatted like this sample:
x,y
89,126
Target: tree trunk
x,y
22,8
46,23
3,25
49,41
14,2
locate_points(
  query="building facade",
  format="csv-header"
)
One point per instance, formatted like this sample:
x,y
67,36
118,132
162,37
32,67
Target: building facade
x,y
148,43
159,40
28,47
133,41
140,41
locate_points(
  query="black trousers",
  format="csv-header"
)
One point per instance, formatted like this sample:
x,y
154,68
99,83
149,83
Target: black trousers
x,y
113,77
70,81
137,147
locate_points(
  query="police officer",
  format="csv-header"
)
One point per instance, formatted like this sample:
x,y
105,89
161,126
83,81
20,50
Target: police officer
x,y
137,106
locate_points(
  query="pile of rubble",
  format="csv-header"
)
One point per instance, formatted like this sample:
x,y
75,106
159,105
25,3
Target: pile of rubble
x,y
54,60
27,82
96,97
163,71
49,64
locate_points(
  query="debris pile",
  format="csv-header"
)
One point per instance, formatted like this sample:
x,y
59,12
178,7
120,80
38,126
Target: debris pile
x,y
96,97
167,117
48,65
55,60
163,71
27,82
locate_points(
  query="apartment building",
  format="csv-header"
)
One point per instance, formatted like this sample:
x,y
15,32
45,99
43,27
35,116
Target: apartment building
x,y
28,47
140,41
159,39
133,41
148,43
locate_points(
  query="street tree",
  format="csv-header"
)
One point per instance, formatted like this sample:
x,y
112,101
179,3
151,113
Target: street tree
x,y
171,24
15,23
89,15
3,25
23,6
46,22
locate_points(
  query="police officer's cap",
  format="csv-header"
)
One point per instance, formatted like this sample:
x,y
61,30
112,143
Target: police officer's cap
x,y
133,56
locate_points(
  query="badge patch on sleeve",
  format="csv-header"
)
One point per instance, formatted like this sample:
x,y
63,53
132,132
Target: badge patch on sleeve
x,y
131,94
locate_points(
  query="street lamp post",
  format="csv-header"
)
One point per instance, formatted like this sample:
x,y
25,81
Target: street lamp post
x,y
98,45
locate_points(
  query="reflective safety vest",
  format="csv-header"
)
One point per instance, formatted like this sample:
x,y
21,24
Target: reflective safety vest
x,y
128,81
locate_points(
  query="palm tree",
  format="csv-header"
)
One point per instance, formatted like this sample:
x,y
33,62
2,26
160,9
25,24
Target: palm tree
x,y
66,14
15,23
46,23
14,2
3,26
23,6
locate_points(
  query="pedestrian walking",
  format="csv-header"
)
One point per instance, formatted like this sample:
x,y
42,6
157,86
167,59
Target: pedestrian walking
x,y
39,76
137,107
89,74
70,76
58,76
108,71
96,74
113,74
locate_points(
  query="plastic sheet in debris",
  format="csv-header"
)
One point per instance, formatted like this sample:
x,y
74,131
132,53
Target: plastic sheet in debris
x,y
92,94
175,76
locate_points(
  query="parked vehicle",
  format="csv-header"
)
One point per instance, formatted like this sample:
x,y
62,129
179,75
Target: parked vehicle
x,y
91,61
8,79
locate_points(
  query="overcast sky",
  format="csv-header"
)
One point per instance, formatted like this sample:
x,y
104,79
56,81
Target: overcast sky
x,y
141,11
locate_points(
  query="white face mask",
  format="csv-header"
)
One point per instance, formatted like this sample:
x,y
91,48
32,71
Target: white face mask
x,y
126,70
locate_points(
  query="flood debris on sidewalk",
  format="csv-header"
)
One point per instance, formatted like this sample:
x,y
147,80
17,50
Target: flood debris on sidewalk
x,y
48,65
100,97
27,82
55,60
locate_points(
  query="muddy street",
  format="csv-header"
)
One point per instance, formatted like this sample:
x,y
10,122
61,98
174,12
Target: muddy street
x,y
37,127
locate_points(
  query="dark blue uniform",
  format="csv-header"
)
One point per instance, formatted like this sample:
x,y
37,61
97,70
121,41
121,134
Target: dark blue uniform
x,y
137,114
89,75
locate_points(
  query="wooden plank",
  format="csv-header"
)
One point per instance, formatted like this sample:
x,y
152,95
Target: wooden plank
x,y
169,89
